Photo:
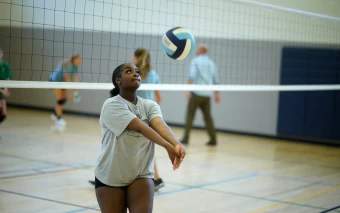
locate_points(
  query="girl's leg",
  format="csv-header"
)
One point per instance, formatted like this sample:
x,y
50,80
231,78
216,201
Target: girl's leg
x,y
61,99
140,195
3,107
111,199
3,110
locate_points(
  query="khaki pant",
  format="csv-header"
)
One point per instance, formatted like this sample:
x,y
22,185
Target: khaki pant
x,y
203,103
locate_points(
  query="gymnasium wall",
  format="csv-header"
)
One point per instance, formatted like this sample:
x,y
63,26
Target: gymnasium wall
x,y
329,7
244,40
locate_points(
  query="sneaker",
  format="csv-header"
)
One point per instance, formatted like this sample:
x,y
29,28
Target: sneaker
x,y
211,143
61,122
92,182
184,142
53,117
60,125
158,184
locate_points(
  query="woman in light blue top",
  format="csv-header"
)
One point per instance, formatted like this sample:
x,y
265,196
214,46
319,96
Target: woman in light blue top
x,y
142,60
66,72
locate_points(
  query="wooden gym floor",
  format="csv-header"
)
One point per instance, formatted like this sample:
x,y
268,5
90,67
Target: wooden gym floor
x,y
44,171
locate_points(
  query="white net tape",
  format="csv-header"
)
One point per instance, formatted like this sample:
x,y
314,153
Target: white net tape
x,y
166,87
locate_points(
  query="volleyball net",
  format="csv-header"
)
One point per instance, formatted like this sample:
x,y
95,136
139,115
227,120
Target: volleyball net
x,y
255,46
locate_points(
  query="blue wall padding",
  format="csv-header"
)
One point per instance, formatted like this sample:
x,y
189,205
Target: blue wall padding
x,y
309,114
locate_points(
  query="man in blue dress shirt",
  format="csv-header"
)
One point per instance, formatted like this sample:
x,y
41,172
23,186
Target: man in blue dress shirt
x,y
202,72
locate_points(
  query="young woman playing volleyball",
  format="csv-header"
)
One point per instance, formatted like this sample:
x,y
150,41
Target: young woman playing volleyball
x,y
67,71
142,60
130,127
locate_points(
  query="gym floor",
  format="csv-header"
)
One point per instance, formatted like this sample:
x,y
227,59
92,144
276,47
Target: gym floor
x,y
45,171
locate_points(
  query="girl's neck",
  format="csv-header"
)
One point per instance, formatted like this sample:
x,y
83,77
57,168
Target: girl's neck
x,y
130,96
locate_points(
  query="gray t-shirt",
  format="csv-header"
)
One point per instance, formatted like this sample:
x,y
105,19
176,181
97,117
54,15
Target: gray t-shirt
x,y
125,155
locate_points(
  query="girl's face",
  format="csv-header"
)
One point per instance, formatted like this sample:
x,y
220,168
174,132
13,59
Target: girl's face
x,y
77,61
130,78
1,54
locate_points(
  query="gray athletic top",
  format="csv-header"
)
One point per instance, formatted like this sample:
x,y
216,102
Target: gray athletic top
x,y
125,155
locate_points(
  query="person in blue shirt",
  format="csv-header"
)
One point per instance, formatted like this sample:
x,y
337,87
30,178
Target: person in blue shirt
x,y
66,72
202,72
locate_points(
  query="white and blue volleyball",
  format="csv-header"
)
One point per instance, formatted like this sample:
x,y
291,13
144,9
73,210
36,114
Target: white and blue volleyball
x,y
178,43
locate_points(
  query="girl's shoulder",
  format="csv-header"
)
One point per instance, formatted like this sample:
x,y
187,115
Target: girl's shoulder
x,y
152,74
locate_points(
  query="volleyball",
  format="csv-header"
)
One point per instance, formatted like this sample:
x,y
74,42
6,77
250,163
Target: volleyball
x,y
178,43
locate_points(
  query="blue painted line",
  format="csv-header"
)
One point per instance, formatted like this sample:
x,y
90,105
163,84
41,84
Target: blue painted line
x,y
54,165
27,169
49,200
69,167
298,180
36,140
261,174
40,172
174,191
30,159
227,180
156,195
82,210
328,210
188,188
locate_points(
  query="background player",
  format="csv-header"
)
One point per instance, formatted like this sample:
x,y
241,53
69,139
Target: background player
x,y
5,74
66,72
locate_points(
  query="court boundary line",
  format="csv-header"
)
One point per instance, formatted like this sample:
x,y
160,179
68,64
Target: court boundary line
x,y
48,200
261,174
186,188
58,165
41,168
251,196
334,208
203,165
22,138
44,141
201,186
44,173
305,140
294,200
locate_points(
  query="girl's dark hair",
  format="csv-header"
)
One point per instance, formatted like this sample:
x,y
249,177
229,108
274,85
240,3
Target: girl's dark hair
x,y
116,74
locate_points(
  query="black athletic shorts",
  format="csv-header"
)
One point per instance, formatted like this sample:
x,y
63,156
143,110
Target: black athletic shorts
x,y
98,183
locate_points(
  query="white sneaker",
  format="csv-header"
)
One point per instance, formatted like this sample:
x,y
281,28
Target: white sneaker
x,y
53,117
60,122
59,125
